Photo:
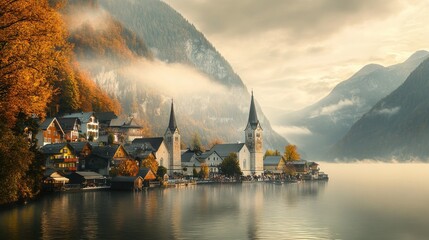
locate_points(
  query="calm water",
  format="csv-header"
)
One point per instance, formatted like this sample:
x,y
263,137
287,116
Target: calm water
x,y
361,201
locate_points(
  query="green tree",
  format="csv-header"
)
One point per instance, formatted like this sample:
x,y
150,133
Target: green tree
x,y
196,143
291,153
110,139
161,172
15,161
230,166
194,172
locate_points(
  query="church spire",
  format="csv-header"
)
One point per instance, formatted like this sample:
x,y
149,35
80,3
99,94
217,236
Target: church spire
x,y
253,117
172,123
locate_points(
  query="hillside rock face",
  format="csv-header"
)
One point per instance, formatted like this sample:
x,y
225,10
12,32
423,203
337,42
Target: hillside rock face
x,y
396,127
329,119
160,56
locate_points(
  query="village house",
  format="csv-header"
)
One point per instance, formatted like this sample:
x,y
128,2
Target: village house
x,y
212,159
50,131
60,156
243,154
71,128
89,124
87,179
104,121
190,162
103,158
125,130
155,145
82,150
274,164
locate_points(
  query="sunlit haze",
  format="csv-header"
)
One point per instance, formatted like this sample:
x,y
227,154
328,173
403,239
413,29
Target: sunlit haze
x,y
292,53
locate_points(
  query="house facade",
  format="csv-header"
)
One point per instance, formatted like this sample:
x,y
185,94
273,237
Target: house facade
x,y
243,154
71,128
274,164
103,158
89,124
60,156
50,132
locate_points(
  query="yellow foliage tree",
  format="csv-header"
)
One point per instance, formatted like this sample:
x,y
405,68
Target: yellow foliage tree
x,y
291,153
204,172
151,163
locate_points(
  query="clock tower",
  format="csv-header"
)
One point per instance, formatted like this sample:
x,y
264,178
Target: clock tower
x,y
172,141
254,141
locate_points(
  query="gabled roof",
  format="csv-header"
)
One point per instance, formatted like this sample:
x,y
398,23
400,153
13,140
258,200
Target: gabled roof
x,y
67,124
83,116
45,124
205,155
172,123
54,148
272,160
253,117
144,172
78,146
129,179
105,151
225,149
138,151
149,143
187,156
105,116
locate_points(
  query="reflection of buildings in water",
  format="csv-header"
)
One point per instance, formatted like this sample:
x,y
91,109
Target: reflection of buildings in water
x,y
253,205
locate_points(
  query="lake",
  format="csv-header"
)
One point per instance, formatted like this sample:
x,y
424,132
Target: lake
x,y
360,201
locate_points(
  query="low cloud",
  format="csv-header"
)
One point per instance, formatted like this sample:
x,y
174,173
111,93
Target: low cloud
x,y
387,111
292,130
327,110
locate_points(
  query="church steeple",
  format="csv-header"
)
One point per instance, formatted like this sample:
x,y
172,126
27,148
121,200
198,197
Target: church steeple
x,y
253,117
172,123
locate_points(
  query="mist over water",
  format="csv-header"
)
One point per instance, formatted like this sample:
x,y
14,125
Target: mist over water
x,y
360,201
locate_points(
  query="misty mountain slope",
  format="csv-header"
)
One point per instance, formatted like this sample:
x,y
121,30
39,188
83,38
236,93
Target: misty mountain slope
x,y
329,119
172,38
214,106
397,126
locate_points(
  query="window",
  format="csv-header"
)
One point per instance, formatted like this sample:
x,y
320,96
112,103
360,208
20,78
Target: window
x,y
249,135
258,135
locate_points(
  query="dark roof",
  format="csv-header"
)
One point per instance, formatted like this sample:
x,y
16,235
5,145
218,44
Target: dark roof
x,y
45,124
54,148
138,151
149,143
253,117
78,146
89,175
105,151
83,116
187,156
225,149
131,123
105,116
67,124
125,178
172,123
143,172
272,160
207,154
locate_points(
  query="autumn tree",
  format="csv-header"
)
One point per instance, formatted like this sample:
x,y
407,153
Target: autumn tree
x,y
127,168
230,166
204,171
291,153
271,152
33,50
150,162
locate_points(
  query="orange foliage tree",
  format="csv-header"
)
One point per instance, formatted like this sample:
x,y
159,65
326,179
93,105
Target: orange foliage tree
x,y
33,49
151,163
127,168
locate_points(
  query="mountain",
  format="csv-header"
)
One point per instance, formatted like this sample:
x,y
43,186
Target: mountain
x,y
328,120
167,59
396,127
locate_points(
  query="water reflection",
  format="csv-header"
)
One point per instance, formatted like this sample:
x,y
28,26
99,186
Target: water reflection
x,y
380,205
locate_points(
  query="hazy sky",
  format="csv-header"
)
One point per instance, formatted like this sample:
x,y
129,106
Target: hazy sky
x,y
293,52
